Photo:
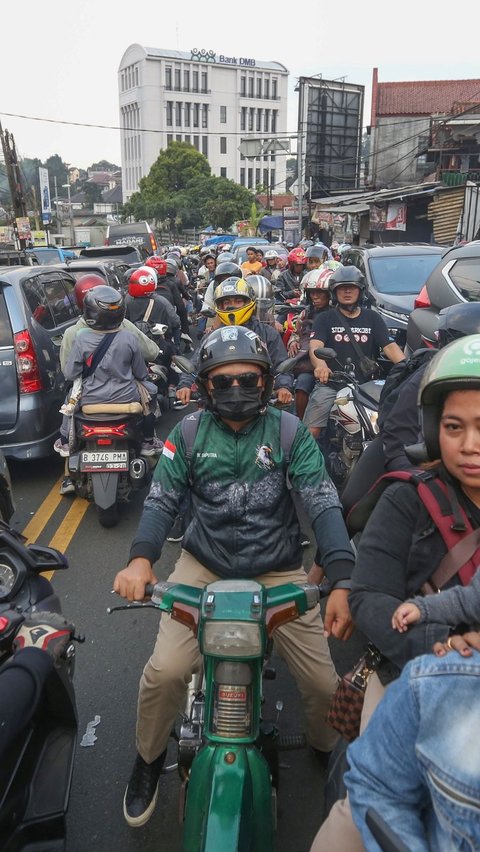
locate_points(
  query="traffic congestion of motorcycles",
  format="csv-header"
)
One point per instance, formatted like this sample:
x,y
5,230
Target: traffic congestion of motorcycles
x,y
387,401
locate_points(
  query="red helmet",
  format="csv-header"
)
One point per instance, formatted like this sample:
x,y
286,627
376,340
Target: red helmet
x,y
297,255
84,283
158,264
142,281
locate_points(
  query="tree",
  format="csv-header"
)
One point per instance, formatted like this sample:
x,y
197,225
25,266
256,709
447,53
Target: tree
x,y
93,193
176,166
104,166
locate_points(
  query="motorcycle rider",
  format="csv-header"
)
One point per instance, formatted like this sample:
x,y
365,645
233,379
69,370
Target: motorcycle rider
x,y
167,286
334,329
227,476
288,284
317,296
251,266
142,286
121,369
271,258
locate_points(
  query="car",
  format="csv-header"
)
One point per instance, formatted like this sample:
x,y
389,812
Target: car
x,y
37,305
455,280
44,255
395,273
112,271
129,254
137,234
239,247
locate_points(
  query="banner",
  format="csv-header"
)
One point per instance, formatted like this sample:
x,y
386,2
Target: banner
x,y
45,196
378,216
23,228
39,238
396,216
6,235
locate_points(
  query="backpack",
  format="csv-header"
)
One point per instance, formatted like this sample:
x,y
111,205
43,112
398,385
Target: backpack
x,y
442,505
398,374
189,426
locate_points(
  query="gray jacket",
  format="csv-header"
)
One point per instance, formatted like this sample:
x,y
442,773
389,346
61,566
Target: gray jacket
x,y
114,377
148,348
460,605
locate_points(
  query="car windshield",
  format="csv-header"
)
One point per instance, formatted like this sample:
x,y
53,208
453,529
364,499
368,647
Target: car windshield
x,y
47,256
402,275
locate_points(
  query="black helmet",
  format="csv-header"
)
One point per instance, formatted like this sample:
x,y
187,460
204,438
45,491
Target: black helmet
x,y
458,321
103,308
346,275
229,345
227,269
172,266
317,250
454,368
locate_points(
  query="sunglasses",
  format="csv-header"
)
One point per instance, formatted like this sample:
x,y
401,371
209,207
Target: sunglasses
x,y
246,380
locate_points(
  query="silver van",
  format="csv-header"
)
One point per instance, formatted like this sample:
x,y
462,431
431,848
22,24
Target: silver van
x,y
132,234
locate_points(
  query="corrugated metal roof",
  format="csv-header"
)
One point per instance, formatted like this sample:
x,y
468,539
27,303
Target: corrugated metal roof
x,y
446,210
425,97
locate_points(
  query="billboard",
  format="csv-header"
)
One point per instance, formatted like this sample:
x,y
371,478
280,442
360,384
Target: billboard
x,y
45,201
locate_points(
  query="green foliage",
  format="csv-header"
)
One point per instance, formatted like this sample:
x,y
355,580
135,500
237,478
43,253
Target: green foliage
x,y
180,188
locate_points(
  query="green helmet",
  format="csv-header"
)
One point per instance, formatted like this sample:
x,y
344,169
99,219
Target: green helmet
x,y
455,367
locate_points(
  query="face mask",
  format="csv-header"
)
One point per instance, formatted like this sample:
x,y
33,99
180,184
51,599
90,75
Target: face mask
x,y
237,403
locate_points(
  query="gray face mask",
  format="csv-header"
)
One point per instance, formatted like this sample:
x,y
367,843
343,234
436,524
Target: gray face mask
x,y
237,403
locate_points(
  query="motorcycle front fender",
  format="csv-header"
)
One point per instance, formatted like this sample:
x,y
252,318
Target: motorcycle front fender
x,y
104,487
229,801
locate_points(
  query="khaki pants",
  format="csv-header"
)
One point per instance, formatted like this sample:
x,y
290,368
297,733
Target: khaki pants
x,y
176,657
339,833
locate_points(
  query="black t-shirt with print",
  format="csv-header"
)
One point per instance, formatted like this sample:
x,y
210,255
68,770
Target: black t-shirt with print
x,y
369,330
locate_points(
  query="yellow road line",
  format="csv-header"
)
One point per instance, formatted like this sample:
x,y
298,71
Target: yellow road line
x,y
68,528
43,513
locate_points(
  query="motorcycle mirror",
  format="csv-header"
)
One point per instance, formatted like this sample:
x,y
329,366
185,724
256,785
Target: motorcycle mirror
x,y
417,453
184,364
325,353
207,312
289,363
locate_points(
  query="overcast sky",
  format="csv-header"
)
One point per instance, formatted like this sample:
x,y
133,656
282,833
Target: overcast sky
x,y
59,60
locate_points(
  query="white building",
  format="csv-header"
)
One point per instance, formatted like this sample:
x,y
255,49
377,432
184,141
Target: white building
x,y
207,99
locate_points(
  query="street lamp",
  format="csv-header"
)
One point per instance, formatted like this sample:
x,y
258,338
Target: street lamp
x,y
72,229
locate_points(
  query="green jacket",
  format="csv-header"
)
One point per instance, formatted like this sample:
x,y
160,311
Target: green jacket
x,y
148,348
243,520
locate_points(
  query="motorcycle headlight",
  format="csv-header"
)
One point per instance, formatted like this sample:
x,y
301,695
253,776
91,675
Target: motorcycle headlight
x,y
232,639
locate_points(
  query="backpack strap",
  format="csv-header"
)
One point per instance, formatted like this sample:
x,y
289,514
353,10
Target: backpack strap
x,y
289,424
93,360
189,427
149,310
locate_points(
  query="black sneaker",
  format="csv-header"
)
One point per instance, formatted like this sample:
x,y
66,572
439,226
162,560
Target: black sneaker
x,y
178,530
142,790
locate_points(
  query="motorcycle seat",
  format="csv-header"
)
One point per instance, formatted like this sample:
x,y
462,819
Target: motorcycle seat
x,y
113,408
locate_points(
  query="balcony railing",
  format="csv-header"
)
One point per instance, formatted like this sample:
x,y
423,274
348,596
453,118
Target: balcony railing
x,y
454,178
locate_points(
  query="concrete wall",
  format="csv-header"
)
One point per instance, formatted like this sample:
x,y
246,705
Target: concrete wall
x,y
394,145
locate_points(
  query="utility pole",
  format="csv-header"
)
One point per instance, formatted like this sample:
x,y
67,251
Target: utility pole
x,y
301,121
14,182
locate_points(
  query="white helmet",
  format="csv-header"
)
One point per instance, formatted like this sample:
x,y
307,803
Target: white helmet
x,y
270,254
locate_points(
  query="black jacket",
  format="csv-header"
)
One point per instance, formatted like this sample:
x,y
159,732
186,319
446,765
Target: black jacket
x,y
399,550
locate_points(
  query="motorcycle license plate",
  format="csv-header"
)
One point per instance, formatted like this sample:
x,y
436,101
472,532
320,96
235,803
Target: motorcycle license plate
x,y
113,460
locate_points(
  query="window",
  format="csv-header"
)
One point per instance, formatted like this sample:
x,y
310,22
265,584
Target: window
x,y
266,123
204,116
169,113
49,300
243,119
196,115
251,112
265,178
243,86
169,138
250,87
257,177
242,177
205,145
259,120
259,87
195,81
178,114
204,82
272,179
187,139
266,88
223,115
250,178
186,81
186,114
168,77
223,144
177,80
274,120
274,89
196,142
178,137
223,172
465,274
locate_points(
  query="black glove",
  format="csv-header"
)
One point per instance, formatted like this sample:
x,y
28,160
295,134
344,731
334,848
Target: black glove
x,y
49,631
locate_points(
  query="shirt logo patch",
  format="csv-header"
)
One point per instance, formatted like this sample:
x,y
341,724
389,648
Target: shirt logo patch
x,y
264,458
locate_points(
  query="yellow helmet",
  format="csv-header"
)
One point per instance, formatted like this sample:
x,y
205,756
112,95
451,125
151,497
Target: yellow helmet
x,y
235,287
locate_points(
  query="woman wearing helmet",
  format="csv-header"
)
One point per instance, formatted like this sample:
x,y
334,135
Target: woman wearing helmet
x,y
402,546
271,260
335,329
243,526
118,371
316,255
235,305
288,284
317,297
146,308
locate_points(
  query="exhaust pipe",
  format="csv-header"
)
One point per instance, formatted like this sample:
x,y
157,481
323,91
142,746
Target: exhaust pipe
x,y
138,469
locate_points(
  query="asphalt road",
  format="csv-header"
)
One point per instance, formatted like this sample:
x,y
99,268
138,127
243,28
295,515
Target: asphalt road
x,y
109,665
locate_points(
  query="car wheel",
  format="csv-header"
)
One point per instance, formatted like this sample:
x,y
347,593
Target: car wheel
x,y
108,517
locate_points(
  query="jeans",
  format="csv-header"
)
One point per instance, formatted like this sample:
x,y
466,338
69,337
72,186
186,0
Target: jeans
x,y
418,762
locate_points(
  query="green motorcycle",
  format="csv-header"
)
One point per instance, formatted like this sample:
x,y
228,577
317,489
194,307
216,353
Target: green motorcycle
x,y
227,755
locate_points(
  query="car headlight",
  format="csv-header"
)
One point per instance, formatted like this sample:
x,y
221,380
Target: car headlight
x,y
232,639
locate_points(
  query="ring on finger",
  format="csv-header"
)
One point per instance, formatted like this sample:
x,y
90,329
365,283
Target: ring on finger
x,y
448,643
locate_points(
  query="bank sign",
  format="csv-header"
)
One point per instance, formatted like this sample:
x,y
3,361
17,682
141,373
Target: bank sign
x,y
211,56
